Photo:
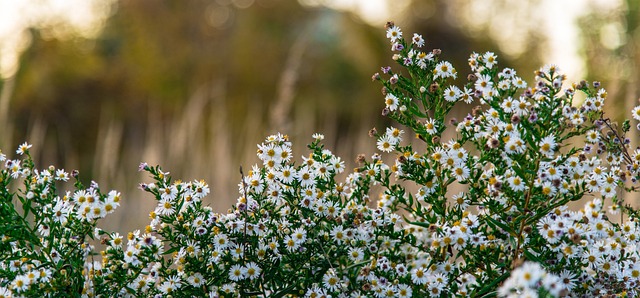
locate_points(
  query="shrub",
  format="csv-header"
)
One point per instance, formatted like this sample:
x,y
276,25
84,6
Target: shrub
x,y
482,213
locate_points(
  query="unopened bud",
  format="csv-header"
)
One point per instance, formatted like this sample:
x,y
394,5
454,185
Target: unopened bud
x,y
498,185
582,84
389,24
476,110
373,132
528,93
366,287
493,143
434,87
575,238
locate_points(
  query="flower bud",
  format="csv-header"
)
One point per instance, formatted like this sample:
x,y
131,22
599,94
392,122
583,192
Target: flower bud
x,y
389,25
569,92
472,77
582,85
575,238
373,132
493,143
434,87
528,93
497,185
515,119
476,110
397,47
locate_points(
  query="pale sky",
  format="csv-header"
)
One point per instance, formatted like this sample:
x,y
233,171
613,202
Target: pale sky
x,y
64,17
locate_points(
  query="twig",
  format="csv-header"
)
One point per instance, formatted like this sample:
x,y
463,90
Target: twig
x,y
246,205
624,148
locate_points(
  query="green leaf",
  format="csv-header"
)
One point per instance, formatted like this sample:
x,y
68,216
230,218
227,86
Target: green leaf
x,y
487,288
494,223
420,224
626,126
530,256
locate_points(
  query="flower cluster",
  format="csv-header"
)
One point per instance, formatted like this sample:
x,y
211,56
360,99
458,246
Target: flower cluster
x,y
293,231
46,242
529,279
483,212
511,168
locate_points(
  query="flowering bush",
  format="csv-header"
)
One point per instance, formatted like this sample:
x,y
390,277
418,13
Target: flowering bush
x,y
482,213
45,236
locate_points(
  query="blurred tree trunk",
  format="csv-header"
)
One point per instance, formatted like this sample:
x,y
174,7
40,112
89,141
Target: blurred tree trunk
x,y
6,92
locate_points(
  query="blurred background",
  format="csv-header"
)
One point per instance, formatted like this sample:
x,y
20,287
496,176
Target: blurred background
x,y
102,85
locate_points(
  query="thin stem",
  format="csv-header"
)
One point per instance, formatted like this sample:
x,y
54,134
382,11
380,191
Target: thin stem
x,y
246,206
514,261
